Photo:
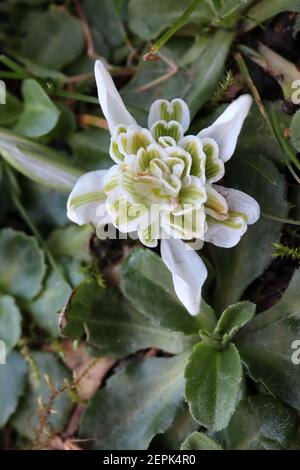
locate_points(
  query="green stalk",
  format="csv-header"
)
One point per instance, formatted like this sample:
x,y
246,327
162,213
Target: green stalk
x,y
271,122
15,192
13,75
283,143
179,23
74,96
280,219
12,65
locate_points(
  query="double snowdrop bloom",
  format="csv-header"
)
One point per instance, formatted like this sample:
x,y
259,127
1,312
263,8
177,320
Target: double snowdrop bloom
x,y
162,185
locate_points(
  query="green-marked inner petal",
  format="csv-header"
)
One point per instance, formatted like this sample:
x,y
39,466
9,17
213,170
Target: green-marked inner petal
x,y
87,198
162,129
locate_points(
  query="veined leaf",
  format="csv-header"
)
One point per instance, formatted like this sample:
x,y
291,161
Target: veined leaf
x,y
213,380
115,328
147,283
137,403
259,423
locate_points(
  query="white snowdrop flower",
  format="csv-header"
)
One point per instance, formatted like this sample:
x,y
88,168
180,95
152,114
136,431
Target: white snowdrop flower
x,y
162,184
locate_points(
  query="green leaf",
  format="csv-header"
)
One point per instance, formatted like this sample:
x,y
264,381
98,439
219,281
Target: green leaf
x,y
10,111
266,346
147,283
175,85
22,264
26,420
72,241
200,441
137,403
267,145
10,322
46,207
233,319
115,327
208,69
39,115
295,131
103,18
213,380
237,267
56,40
37,70
182,426
47,306
149,18
265,10
90,149
12,384
38,162
259,423
195,83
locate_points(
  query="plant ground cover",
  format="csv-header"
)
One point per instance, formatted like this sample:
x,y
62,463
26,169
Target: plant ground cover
x,y
100,353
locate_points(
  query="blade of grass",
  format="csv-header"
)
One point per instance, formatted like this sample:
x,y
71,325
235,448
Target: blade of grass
x,y
179,23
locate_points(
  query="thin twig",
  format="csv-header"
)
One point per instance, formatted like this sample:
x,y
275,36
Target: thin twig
x,y
42,434
90,46
173,69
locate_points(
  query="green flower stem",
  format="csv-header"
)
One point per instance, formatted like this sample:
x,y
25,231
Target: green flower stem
x,y
13,75
283,143
74,96
12,65
271,121
15,192
280,219
179,23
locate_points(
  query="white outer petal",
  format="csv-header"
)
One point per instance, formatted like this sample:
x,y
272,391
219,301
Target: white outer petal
x,y
188,272
238,201
226,129
89,212
110,100
223,236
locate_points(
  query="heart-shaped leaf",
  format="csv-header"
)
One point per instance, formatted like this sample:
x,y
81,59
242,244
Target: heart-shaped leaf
x,y
39,115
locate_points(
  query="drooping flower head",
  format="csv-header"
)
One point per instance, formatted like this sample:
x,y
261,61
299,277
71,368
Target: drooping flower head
x,y
162,184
